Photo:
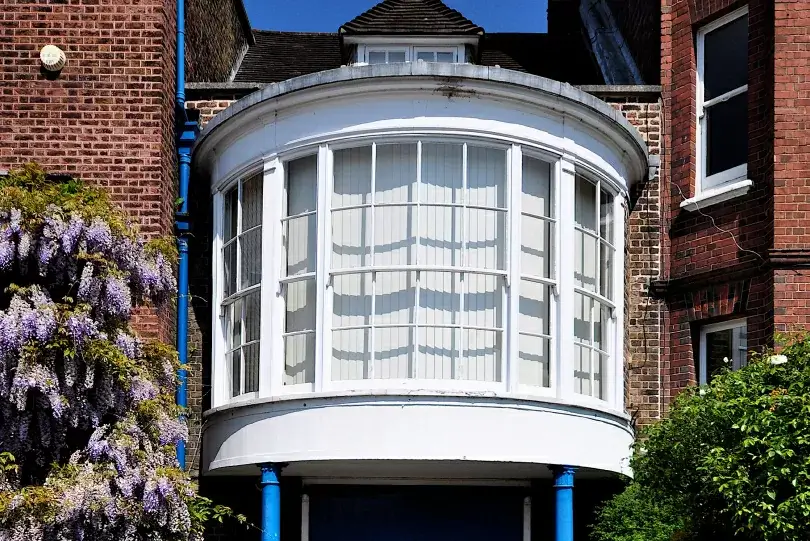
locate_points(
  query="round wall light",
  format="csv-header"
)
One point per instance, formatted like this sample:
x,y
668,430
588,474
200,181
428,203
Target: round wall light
x,y
52,58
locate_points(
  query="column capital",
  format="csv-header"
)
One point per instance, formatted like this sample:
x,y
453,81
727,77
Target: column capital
x,y
563,476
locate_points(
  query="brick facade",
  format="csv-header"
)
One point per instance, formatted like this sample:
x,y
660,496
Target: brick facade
x,y
746,257
109,115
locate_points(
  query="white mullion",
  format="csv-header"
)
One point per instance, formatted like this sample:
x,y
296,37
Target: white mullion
x,y
219,394
372,316
462,261
324,293
598,283
415,335
565,178
239,285
616,354
269,374
513,243
242,349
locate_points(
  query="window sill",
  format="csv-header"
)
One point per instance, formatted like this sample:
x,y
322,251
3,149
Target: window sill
x,y
717,195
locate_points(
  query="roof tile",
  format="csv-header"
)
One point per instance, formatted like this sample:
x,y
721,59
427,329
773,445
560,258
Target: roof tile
x,y
420,17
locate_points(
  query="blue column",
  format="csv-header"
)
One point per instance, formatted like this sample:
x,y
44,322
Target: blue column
x,y
564,503
271,502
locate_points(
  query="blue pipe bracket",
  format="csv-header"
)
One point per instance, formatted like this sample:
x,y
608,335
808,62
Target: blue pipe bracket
x,y
271,502
564,503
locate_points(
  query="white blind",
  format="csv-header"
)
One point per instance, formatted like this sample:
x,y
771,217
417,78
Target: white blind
x,y
389,213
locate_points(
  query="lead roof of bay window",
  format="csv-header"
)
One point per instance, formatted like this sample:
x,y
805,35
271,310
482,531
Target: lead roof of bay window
x,y
416,17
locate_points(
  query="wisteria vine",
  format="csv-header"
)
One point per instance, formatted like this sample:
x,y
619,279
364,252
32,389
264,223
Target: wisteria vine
x,y
87,420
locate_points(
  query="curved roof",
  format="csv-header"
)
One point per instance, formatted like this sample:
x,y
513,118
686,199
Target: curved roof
x,y
420,17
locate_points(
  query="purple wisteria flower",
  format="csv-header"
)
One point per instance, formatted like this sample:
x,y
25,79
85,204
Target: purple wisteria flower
x,y
128,344
81,328
117,300
98,236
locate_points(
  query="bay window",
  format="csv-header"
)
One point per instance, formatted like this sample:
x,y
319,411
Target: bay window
x,y
425,263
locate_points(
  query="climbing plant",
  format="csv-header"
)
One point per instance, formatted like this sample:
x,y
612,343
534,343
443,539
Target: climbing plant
x,y
88,424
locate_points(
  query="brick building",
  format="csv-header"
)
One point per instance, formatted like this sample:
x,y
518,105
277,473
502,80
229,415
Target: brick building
x,y
439,272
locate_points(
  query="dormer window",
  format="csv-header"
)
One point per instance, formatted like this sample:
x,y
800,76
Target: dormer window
x,y
390,54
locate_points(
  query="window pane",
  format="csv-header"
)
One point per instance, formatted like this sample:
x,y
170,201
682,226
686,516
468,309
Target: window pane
x,y
726,349
439,236
235,324
718,349
395,297
299,359
726,58
486,239
251,245
302,182
252,315
727,137
300,298
235,359
536,198
301,244
535,247
437,352
393,352
534,361
486,177
439,298
229,264
396,173
376,57
582,369
483,300
534,308
427,56
251,202
441,173
585,205
445,57
583,329
231,214
352,177
251,357
606,270
586,253
395,235
351,304
606,216
396,56
350,354
351,238
481,358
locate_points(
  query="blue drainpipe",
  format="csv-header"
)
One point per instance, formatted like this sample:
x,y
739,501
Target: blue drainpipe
x,y
564,503
186,135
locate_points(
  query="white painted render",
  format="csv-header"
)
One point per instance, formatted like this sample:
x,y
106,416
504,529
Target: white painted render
x,y
464,423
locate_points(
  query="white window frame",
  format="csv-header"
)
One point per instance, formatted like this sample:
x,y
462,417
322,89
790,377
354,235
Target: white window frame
x,y
410,50
735,174
735,345
435,50
561,278
224,303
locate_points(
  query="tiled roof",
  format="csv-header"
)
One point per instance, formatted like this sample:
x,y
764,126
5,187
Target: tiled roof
x,y
411,17
564,58
278,56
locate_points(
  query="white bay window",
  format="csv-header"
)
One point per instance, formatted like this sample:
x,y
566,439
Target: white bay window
x,y
421,264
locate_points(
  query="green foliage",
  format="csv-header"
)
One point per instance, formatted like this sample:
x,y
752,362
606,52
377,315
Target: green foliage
x,y
636,515
734,457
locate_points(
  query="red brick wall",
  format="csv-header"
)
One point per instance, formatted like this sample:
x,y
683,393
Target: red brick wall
x,y
751,248
108,117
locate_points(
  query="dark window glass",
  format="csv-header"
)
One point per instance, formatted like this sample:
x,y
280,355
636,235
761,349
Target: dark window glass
x,y
727,134
725,58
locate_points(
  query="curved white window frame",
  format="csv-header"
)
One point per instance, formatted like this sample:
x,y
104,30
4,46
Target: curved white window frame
x,y
561,387
707,184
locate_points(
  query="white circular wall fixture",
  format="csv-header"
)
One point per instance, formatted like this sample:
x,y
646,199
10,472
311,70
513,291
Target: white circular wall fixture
x,y
52,58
